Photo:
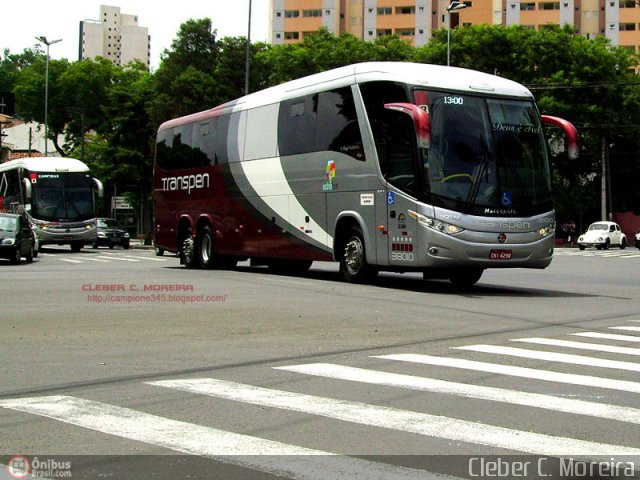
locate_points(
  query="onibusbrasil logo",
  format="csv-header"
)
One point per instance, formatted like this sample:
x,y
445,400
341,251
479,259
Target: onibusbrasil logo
x,y
23,467
19,467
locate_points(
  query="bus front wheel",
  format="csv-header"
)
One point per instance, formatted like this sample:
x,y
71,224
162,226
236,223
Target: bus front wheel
x,y
465,277
353,261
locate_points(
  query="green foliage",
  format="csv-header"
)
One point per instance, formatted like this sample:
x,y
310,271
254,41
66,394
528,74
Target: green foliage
x,y
12,64
118,110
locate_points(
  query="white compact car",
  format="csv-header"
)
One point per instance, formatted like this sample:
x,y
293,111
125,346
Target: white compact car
x,y
603,235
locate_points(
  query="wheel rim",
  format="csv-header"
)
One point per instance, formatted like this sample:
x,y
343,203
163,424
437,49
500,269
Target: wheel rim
x,y
188,250
205,249
354,255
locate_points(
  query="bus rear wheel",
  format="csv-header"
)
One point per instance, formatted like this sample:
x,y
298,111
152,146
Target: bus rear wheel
x,y
207,257
188,253
353,261
204,248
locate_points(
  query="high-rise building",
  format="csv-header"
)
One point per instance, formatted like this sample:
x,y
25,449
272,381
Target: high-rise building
x,y
415,20
115,36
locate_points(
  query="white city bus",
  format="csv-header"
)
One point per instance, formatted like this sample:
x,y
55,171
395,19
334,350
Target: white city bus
x,y
379,166
58,195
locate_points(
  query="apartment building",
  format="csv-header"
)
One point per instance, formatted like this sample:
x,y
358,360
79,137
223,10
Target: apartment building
x,y
414,20
115,36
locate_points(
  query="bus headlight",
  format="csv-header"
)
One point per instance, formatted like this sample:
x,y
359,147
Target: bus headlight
x,y
435,225
545,231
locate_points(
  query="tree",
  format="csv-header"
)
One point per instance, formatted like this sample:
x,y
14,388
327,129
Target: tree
x,y
185,82
121,151
30,96
12,64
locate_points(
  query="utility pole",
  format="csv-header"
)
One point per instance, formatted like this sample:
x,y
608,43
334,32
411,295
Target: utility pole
x,y
48,43
604,215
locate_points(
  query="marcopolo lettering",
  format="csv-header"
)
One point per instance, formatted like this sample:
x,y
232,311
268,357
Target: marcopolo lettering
x,y
186,182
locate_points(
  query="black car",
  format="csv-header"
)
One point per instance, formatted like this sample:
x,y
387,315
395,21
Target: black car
x,y
110,233
17,239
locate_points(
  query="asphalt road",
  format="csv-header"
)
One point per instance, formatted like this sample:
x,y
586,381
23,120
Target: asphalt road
x,y
127,365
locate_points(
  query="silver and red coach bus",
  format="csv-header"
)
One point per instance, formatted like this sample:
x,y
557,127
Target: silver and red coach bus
x,y
378,166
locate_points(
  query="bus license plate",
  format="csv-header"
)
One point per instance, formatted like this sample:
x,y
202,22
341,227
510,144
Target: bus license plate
x,y
500,255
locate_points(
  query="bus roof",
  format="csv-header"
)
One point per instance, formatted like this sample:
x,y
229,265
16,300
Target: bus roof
x,y
430,76
45,164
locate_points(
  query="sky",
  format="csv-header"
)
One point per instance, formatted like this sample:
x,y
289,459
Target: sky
x,y
23,20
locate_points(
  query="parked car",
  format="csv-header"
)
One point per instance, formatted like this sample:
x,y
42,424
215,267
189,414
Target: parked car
x,y
638,240
603,235
110,233
16,238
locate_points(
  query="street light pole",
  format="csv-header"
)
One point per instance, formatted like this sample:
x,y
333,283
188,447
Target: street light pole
x,y
48,43
454,5
248,58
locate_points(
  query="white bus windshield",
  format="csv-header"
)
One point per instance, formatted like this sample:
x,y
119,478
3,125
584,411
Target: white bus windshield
x,y
487,155
62,196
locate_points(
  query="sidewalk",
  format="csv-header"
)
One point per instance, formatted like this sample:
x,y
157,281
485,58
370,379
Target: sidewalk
x,y
138,243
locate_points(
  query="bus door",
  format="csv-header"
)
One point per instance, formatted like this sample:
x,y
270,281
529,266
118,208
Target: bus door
x,y
399,167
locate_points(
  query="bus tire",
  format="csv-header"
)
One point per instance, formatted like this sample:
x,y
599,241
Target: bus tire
x,y
465,277
188,253
204,248
353,259
16,257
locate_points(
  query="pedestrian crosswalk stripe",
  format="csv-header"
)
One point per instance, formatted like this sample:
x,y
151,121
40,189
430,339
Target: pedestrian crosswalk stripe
x,y
237,449
608,336
596,347
152,259
95,259
626,328
546,402
121,259
403,420
68,260
553,357
514,371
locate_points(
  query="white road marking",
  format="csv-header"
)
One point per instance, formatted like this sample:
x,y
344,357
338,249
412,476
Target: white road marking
x,y
242,450
513,371
596,347
94,259
121,259
627,329
68,260
608,336
152,259
547,402
402,420
553,357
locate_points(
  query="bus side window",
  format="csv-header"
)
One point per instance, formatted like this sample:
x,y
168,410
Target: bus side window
x,y
13,191
337,129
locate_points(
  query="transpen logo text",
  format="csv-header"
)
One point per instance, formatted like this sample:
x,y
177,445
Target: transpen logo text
x,y
185,182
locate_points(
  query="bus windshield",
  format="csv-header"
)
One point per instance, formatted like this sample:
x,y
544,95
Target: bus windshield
x,y
487,155
62,196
